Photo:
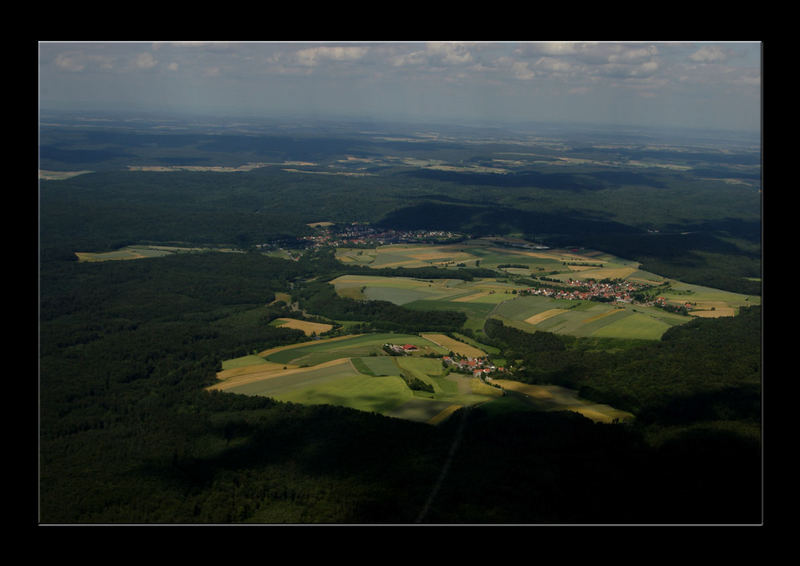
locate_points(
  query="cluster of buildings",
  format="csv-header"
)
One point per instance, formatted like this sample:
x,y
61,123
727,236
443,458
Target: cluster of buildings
x,y
617,291
366,235
400,349
478,367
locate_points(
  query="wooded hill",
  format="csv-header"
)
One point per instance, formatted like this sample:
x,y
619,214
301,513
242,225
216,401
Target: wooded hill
x,y
128,433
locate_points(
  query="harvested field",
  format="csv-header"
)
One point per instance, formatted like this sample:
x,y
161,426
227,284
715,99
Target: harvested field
x,y
537,318
277,349
557,398
716,313
251,374
454,345
307,327
444,414
602,315
423,410
469,298
59,175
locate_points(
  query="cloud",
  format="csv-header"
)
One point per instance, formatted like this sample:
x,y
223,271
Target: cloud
x,y
312,56
70,62
145,61
521,70
554,64
449,53
709,54
77,61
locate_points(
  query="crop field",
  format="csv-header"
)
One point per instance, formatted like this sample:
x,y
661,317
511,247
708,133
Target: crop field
x,y
708,302
407,255
127,253
365,345
359,377
556,398
478,252
585,318
307,327
542,316
455,345
354,371
141,252
405,290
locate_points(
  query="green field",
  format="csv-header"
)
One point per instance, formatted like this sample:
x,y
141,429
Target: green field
x,y
355,372
587,318
360,346
243,361
495,297
370,382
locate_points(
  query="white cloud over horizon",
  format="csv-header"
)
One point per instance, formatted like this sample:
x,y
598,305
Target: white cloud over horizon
x,y
706,85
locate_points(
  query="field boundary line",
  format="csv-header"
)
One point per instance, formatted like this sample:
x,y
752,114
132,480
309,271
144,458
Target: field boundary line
x,y
446,466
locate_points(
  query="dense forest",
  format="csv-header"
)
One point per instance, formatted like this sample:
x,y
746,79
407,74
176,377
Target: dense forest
x,y
692,214
129,434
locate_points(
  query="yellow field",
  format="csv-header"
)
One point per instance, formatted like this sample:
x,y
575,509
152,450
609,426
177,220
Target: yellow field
x,y
537,318
455,346
602,315
469,298
563,399
260,372
716,313
444,414
271,351
610,272
308,327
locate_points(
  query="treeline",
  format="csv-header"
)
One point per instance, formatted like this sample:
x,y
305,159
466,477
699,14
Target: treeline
x,y
321,298
463,273
705,370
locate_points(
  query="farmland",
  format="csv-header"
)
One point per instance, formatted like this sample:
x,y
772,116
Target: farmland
x,y
519,265
173,389
353,371
578,293
308,328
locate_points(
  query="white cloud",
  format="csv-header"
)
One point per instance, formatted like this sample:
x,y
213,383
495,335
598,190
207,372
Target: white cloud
x,y
521,70
633,54
709,54
553,64
70,62
450,53
405,59
315,55
145,61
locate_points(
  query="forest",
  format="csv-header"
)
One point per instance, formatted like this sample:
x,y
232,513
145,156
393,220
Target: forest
x,y
128,434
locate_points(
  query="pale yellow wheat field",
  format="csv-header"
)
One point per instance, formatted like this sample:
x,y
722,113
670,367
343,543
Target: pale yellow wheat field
x,y
537,318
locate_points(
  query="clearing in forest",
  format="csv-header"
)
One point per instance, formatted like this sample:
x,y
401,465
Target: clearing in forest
x,y
307,327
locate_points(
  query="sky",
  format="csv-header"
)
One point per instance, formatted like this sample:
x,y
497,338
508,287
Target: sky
x,y
703,85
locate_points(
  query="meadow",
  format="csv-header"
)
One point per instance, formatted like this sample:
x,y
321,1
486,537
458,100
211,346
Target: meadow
x,y
354,371
516,268
586,318
142,252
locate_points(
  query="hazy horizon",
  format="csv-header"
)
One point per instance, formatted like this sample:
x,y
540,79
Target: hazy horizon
x,y
658,85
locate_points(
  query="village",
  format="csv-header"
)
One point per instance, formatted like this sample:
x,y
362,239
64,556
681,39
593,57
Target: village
x,y
364,235
478,367
619,291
